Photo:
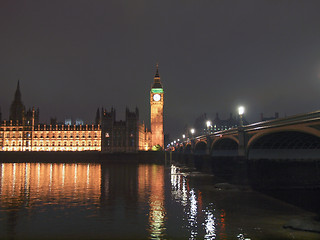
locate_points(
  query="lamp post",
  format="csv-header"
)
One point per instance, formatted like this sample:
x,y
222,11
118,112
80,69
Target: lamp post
x,y
209,124
241,110
192,131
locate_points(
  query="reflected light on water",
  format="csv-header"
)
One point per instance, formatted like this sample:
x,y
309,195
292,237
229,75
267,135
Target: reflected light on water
x,y
210,225
43,182
192,206
151,185
193,215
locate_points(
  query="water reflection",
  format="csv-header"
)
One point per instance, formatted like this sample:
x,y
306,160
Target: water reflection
x,y
44,183
126,201
192,206
25,187
151,186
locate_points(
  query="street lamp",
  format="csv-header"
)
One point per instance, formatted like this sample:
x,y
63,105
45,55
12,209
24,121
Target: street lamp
x,y
183,136
192,131
241,112
208,126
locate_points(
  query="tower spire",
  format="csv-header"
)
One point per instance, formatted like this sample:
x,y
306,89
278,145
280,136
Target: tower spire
x,y
17,109
18,93
157,82
157,71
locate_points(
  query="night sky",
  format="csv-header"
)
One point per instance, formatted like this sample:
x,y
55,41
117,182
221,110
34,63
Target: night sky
x,y
73,56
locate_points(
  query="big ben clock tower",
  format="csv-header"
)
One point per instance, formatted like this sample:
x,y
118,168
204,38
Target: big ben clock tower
x,y
156,104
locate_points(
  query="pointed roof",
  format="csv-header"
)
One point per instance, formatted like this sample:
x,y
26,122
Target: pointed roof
x,y
157,82
17,109
157,71
18,93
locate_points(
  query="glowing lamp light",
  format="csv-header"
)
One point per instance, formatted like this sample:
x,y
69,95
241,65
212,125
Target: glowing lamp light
x,y
192,130
241,110
208,123
183,136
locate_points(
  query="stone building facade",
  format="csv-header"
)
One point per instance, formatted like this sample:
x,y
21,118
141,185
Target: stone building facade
x,y
121,136
42,137
23,132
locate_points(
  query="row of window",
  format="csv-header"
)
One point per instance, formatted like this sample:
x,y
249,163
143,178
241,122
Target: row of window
x,y
52,149
47,136
65,136
53,144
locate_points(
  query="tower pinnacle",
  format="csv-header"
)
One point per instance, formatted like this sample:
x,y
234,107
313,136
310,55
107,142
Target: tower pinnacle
x,y
157,71
156,82
17,109
18,93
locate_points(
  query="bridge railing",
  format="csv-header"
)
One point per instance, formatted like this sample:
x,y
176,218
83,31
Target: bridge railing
x,y
300,118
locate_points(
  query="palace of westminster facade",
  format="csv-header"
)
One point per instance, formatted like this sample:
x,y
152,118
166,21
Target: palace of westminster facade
x,y
23,132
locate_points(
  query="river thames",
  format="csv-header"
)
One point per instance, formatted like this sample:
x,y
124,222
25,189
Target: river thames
x,y
135,201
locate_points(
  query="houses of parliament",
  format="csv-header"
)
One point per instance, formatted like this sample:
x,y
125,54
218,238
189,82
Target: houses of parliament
x,y
24,132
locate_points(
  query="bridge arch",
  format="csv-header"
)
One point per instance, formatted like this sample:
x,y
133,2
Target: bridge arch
x,y
224,146
200,147
187,148
302,129
278,144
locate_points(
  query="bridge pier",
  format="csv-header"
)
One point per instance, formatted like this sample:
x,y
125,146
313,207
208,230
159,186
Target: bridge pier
x,y
209,143
242,148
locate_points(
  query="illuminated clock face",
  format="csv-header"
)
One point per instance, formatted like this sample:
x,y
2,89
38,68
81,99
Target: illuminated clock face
x,y
156,97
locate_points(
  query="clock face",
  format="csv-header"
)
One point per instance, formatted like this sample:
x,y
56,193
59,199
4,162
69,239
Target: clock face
x,y
156,97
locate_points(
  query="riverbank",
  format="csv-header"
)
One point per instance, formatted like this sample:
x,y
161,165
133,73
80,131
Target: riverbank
x,y
81,157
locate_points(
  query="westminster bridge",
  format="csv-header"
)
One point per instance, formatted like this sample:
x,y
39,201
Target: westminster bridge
x,y
295,137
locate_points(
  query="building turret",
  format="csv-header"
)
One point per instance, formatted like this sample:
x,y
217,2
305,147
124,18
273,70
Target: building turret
x,y
17,109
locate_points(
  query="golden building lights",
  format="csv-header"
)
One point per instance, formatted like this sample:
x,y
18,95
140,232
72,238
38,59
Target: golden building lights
x,y
50,138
